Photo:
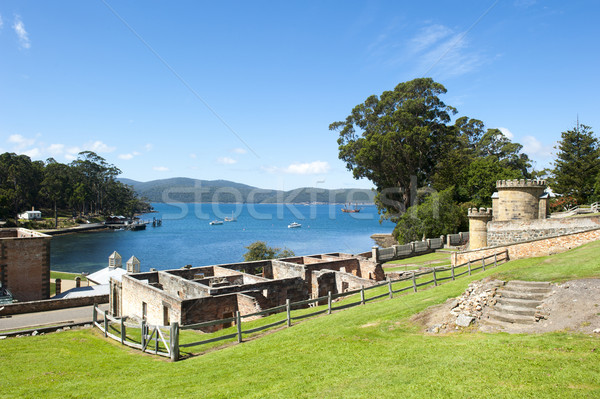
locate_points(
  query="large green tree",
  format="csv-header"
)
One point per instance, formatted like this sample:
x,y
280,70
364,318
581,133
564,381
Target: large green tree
x,y
396,139
20,179
259,250
577,163
56,186
438,214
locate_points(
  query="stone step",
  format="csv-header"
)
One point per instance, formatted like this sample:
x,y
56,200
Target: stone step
x,y
511,318
520,303
491,325
507,293
537,284
516,310
527,288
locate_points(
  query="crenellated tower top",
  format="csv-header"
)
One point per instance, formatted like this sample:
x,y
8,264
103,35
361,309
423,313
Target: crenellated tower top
x,y
521,183
481,212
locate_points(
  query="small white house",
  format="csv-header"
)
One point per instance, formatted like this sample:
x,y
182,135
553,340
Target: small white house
x,y
31,215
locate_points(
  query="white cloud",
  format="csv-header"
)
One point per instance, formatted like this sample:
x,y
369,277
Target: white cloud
x,y
99,147
33,152
535,148
226,161
310,168
56,149
506,132
19,28
239,151
149,146
128,156
427,37
1,22
193,156
20,141
161,168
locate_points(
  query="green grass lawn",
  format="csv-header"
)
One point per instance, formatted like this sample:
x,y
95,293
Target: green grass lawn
x,y
371,351
62,276
432,259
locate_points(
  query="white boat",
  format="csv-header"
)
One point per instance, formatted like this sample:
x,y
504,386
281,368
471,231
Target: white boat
x,y
216,222
294,225
231,219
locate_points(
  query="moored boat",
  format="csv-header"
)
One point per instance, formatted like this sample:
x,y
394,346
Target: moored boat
x,y
216,222
294,225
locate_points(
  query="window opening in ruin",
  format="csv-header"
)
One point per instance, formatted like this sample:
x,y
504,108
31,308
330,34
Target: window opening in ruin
x,y
144,310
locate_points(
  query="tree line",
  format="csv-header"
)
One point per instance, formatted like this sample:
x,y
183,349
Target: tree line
x,y
88,185
428,169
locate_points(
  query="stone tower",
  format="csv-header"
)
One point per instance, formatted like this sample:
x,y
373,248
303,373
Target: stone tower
x,y
515,200
478,220
520,200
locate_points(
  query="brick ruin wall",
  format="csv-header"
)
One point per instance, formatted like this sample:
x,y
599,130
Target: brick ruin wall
x,y
507,232
533,248
25,264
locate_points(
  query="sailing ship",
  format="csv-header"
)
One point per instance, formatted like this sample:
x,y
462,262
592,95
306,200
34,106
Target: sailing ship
x,y
347,209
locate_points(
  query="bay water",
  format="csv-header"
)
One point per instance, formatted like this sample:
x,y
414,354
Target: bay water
x,y
187,238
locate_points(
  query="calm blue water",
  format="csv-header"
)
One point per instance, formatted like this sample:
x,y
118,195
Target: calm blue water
x,y
187,238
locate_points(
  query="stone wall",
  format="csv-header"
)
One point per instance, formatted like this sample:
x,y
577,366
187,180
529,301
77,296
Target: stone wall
x,y
507,232
207,309
25,264
51,304
135,293
532,248
334,281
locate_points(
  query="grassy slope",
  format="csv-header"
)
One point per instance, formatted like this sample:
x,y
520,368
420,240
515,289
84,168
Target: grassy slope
x,y
367,351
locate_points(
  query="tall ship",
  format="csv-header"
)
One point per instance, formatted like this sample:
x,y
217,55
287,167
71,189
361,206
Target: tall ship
x,y
347,209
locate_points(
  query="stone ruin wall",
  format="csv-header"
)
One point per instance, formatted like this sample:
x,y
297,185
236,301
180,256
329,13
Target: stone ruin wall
x,y
502,233
534,248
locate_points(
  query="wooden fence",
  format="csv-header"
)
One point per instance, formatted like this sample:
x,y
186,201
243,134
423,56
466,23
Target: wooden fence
x,y
164,340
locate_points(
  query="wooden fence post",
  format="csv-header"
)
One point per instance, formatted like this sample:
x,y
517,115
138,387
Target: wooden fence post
x,y
174,341
94,313
495,260
123,332
483,263
469,266
238,322
143,328
452,271
105,324
362,294
434,277
288,310
328,302
156,341
414,281
390,289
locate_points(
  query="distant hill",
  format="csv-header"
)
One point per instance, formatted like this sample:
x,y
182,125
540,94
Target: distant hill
x,y
183,189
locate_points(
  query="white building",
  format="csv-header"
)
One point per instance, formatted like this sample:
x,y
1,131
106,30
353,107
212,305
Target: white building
x,y
31,215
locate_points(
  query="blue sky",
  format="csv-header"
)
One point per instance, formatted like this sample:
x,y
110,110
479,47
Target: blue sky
x,y
245,91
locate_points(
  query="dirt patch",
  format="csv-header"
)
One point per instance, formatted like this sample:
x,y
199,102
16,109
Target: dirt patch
x,y
573,306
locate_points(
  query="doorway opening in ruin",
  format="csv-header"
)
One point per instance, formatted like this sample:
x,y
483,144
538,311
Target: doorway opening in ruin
x,y
166,320
227,315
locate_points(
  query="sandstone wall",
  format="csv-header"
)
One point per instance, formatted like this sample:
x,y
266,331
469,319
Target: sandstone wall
x,y
533,248
507,232
51,304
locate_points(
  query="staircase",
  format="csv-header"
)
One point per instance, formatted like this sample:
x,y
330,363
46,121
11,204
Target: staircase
x,y
517,303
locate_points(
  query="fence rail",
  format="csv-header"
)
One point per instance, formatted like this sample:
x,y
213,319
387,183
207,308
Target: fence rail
x,y
164,340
